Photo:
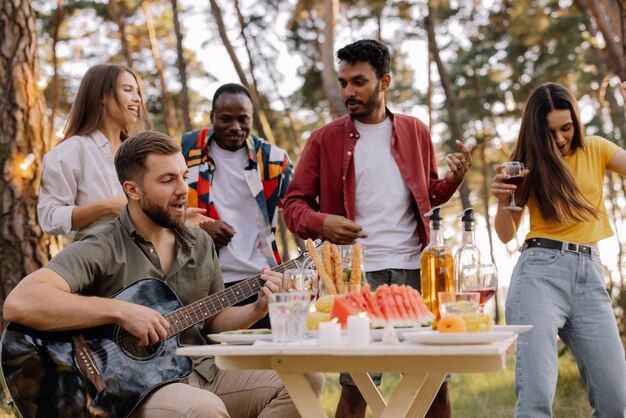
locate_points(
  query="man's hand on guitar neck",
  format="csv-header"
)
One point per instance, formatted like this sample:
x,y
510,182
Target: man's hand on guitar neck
x,y
242,317
273,284
146,324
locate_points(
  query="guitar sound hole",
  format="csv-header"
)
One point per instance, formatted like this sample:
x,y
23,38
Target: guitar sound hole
x,y
128,344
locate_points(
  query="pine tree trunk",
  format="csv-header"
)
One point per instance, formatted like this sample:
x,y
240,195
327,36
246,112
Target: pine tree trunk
x,y
329,75
260,120
55,96
610,33
117,18
259,113
295,144
169,111
453,115
182,68
23,130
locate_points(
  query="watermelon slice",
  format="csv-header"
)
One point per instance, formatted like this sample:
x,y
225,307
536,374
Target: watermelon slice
x,y
400,306
342,308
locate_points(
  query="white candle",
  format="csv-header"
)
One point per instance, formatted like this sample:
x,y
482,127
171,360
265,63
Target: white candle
x,y
329,334
358,330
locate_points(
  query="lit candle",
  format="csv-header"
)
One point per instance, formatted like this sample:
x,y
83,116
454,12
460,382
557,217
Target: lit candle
x,y
359,329
329,333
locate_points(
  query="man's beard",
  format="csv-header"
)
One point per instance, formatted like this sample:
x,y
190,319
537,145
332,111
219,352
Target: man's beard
x,y
368,107
160,215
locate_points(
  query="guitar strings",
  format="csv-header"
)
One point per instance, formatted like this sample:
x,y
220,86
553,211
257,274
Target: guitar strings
x,y
128,338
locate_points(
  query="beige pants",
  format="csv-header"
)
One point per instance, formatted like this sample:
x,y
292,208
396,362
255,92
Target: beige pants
x,y
233,393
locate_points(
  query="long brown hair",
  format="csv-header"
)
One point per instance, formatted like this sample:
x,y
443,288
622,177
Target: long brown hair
x,y
87,112
549,179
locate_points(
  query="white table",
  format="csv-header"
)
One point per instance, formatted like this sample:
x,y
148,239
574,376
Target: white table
x,y
423,368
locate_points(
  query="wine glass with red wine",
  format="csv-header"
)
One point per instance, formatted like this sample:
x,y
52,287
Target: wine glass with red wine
x,y
515,171
480,278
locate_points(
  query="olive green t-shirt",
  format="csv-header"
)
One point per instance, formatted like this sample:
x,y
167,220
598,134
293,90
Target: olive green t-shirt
x,y
116,256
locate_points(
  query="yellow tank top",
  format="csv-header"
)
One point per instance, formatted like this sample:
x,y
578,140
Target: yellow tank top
x,y
588,164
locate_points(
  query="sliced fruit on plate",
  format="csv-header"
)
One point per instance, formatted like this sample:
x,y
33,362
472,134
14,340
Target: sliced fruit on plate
x,y
324,303
343,307
478,322
451,323
314,318
400,306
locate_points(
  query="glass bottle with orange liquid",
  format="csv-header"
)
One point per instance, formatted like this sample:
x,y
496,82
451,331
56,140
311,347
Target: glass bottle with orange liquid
x,y
437,266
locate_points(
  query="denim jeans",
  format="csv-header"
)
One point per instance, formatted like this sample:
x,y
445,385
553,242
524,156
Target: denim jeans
x,y
563,293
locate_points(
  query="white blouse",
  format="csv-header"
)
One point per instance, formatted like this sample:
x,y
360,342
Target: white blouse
x,y
77,171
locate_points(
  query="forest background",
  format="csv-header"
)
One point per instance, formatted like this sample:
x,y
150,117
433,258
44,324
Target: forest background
x,y
464,67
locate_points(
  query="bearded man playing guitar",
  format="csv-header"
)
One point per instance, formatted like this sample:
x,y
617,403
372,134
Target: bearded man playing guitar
x,y
122,361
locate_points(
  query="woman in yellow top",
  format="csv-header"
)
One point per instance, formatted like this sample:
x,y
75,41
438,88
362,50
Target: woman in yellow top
x,y
557,285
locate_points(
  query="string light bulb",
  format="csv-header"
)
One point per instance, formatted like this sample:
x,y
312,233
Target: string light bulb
x,y
27,161
42,83
509,101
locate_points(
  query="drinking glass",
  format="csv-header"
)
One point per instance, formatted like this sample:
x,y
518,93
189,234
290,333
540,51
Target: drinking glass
x,y
515,171
300,280
288,313
458,303
480,278
341,278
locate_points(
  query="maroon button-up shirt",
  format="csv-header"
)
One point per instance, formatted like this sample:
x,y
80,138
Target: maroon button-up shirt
x,y
324,181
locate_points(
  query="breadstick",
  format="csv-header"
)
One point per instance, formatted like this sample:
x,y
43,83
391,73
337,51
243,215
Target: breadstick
x,y
319,265
338,270
327,259
355,271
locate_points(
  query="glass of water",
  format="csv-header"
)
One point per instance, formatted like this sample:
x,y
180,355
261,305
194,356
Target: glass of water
x,y
300,280
457,303
288,313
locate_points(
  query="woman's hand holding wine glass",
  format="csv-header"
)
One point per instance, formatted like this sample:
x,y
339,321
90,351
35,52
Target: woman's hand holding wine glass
x,y
509,175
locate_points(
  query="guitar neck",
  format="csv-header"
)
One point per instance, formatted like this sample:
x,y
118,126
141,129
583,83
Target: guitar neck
x,y
198,311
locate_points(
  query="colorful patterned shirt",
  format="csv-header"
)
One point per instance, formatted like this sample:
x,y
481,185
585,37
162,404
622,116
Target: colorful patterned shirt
x,y
268,175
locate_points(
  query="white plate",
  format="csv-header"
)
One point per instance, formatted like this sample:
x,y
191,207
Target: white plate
x,y
520,329
239,338
456,338
377,333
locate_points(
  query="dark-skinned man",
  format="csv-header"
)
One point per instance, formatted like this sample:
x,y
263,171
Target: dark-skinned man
x,y
240,180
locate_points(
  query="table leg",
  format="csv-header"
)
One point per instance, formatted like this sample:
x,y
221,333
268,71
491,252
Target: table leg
x,y
370,392
425,396
404,395
302,395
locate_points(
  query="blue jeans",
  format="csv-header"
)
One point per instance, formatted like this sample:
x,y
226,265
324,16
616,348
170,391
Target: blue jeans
x,y
563,293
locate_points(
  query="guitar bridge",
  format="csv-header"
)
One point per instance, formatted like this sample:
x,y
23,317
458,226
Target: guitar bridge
x,y
86,363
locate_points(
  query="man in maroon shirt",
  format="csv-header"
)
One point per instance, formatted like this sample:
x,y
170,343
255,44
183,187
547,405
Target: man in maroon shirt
x,y
371,176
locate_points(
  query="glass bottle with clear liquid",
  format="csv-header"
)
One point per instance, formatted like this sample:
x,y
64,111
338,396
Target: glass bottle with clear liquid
x,y
437,266
468,253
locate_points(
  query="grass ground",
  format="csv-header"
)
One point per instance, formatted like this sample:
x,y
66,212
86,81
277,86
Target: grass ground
x,y
488,394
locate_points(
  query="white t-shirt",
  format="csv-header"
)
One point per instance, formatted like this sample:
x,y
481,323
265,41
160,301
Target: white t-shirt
x,y
383,202
242,257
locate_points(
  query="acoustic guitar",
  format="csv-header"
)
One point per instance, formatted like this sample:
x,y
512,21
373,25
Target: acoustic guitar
x,y
101,372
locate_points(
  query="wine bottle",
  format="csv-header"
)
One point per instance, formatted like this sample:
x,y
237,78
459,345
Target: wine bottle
x,y
437,266
468,253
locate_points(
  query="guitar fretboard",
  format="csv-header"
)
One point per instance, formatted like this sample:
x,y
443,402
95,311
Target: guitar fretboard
x,y
204,308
